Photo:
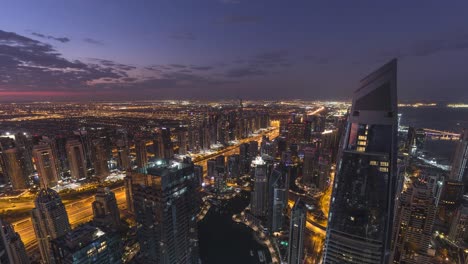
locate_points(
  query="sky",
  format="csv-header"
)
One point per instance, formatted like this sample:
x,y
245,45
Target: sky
x,y
228,49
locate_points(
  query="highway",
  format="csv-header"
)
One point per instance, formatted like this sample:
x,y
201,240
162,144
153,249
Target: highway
x,y
78,212
231,150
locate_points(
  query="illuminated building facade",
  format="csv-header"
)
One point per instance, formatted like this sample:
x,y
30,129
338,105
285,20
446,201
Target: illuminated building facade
x,y
362,205
259,197
100,159
87,244
16,169
46,165
76,159
50,221
413,223
459,225
105,209
12,249
297,233
165,203
277,199
141,153
459,170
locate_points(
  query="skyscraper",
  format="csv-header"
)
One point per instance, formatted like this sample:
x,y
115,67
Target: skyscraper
x,y
259,197
297,233
141,153
76,159
16,169
233,166
99,159
24,146
244,158
12,249
220,174
310,155
165,201
277,199
362,203
459,226
253,149
459,170
46,165
105,209
50,221
122,155
182,136
413,223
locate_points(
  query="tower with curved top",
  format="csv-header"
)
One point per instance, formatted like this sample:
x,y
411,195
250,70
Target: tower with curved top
x,y
362,203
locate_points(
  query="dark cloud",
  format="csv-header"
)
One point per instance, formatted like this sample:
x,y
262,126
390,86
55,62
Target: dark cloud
x,y
183,36
270,59
30,64
60,39
260,64
93,41
177,66
454,42
113,64
201,68
240,19
244,72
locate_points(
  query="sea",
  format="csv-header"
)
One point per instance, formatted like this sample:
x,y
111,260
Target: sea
x,y
439,118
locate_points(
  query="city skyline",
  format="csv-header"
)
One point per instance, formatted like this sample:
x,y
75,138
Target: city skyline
x,y
233,131
225,49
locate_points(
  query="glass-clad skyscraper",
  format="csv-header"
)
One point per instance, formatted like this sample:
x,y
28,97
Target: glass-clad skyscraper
x,y
362,203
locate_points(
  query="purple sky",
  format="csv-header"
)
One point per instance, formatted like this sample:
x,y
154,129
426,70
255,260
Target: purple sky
x,y
224,49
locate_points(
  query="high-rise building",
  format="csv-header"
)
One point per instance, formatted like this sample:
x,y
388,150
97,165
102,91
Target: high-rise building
x,y
46,165
244,158
259,197
459,170
87,244
310,156
99,159
165,200
105,209
297,232
141,153
167,143
24,146
211,167
76,159
182,142
60,143
277,199
362,204
123,160
12,249
415,140
413,223
459,226
253,149
50,221
296,133
233,166
16,169
220,174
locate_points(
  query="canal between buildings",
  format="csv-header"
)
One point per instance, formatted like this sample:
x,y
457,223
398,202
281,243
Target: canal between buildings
x,y
224,241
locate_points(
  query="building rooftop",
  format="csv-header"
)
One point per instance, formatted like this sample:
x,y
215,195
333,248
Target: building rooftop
x,y
47,195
